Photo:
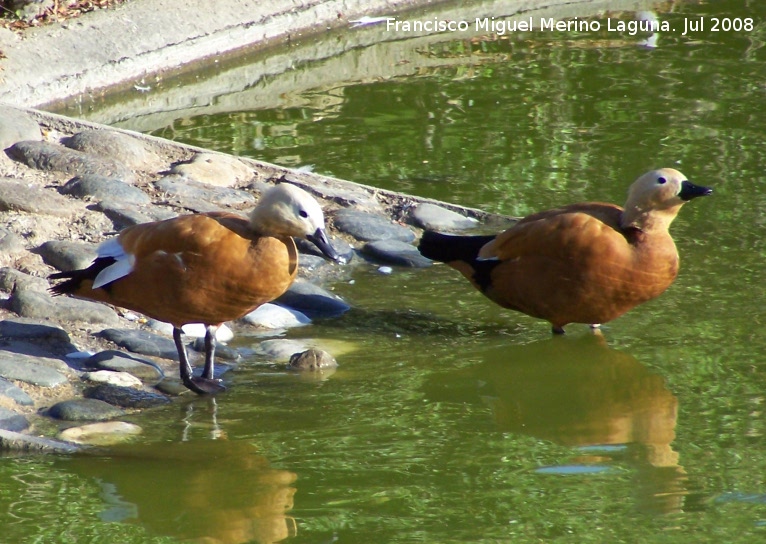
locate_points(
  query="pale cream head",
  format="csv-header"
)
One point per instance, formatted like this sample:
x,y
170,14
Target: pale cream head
x,y
287,210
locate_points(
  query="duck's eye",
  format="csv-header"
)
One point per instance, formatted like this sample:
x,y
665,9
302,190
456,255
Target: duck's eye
x,y
303,213
661,180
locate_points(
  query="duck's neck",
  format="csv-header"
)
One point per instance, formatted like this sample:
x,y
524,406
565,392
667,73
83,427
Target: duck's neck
x,y
648,221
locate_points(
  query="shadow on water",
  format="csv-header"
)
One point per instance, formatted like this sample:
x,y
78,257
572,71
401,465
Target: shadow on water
x,y
581,393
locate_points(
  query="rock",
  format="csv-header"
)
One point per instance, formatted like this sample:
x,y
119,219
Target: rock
x,y
192,192
280,349
120,362
396,252
368,227
12,421
195,330
312,360
433,217
32,329
130,151
84,410
126,397
12,441
343,248
122,379
53,157
215,169
67,255
12,279
273,316
100,187
20,197
101,434
10,243
312,301
28,369
41,305
221,351
142,342
16,126
16,394
125,215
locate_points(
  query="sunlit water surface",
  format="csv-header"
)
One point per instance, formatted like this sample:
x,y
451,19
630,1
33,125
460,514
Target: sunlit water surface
x,y
450,420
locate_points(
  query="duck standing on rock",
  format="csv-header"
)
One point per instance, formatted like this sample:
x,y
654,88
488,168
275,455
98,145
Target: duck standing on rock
x,y
203,268
583,263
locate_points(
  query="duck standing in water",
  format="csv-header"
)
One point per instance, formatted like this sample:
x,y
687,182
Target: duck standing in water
x,y
204,268
583,263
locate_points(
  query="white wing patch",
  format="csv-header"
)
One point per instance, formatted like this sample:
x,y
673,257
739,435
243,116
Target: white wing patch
x,y
122,266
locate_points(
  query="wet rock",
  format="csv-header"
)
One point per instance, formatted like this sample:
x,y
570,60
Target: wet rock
x,y
12,421
125,215
221,351
122,379
101,434
192,193
67,254
215,169
14,393
16,126
307,248
196,330
357,197
126,397
142,342
280,349
104,188
312,300
395,252
130,151
21,328
172,386
118,361
433,217
84,410
368,227
53,157
312,360
273,316
20,197
13,441
10,243
41,305
12,279
35,370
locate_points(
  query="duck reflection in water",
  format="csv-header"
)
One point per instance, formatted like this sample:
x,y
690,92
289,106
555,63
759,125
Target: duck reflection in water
x,y
579,392
236,498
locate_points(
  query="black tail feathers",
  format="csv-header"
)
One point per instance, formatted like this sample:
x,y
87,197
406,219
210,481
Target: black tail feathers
x,y
75,277
447,248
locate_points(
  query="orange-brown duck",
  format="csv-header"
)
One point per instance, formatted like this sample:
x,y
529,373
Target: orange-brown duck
x,y
583,263
204,268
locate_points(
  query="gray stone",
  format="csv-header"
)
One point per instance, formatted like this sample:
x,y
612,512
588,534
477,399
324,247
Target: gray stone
x,y
15,126
433,217
41,305
125,215
396,252
20,197
215,169
104,433
34,370
118,361
342,247
126,397
280,349
312,360
142,342
32,329
53,157
368,227
100,187
13,441
124,148
221,351
10,243
16,394
273,316
11,421
12,279
110,377
192,192
84,410
312,300
67,255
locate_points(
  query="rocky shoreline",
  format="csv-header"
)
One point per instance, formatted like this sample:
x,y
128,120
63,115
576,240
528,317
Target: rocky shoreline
x,y
70,369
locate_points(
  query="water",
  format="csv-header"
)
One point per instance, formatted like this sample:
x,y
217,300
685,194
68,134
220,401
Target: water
x,y
451,420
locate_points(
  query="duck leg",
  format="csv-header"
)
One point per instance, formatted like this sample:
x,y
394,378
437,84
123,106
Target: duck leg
x,y
200,385
210,331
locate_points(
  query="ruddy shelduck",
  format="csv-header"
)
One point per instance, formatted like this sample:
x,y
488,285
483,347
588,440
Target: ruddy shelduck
x,y
583,263
204,268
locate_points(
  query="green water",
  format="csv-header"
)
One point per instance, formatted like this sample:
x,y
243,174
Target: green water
x,y
451,420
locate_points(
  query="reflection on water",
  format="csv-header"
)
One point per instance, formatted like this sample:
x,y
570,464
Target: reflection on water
x,y
209,490
579,392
